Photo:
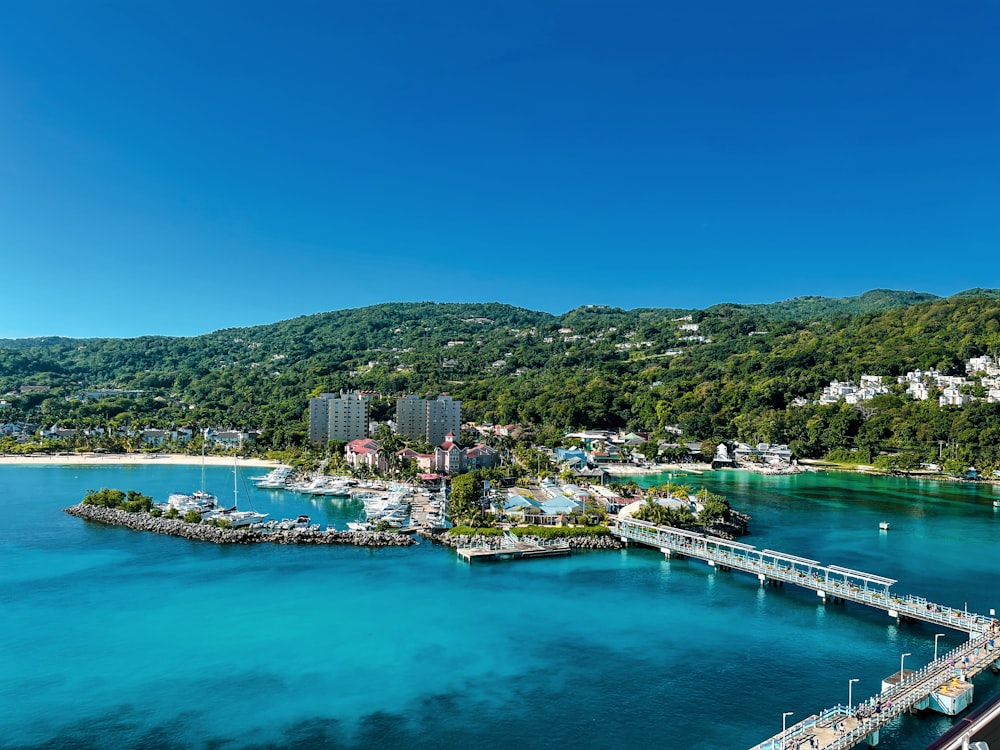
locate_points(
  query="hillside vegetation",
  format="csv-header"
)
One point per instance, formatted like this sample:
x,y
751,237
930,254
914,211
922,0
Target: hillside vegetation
x,y
735,377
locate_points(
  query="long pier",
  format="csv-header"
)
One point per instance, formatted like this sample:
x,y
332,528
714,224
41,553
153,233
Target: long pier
x,y
828,581
944,685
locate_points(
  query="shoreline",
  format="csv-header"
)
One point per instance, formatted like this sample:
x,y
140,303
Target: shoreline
x,y
633,470
130,459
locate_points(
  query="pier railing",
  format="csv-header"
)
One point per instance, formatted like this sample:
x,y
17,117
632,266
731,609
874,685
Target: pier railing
x,y
827,580
869,589
965,661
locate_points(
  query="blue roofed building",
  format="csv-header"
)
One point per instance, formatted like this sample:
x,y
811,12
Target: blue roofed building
x,y
560,505
518,503
572,456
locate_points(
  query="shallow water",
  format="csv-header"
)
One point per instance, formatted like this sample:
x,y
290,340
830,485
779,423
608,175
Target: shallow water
x,y
112,638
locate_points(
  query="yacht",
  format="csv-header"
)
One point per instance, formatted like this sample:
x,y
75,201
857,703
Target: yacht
x,y
338,488
300,523
238,518
275,479
233,516
198,501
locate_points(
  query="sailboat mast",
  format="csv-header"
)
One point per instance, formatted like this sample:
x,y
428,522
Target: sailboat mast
x,y
235,483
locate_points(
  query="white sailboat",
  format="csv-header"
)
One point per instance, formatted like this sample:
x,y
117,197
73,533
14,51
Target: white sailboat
x,y
234,516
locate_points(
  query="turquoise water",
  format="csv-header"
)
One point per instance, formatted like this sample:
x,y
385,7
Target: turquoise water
x,y
112,638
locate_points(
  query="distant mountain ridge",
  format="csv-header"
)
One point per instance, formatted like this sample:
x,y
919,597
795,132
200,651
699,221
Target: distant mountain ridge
x,y
804,309
813,307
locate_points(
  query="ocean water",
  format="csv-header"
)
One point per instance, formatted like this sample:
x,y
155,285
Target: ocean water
x,y
113,639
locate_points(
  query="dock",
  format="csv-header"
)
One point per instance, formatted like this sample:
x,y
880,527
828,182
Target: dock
x,y
510,547
830,582
944,685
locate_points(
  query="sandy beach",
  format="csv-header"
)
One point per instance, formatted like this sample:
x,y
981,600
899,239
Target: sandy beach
x,y
633,469
119,459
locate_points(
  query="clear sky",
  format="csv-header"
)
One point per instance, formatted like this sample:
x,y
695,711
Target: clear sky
x,y
176,167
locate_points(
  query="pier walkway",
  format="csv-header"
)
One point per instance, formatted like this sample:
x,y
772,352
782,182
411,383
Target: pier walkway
x,y
828,581
944,685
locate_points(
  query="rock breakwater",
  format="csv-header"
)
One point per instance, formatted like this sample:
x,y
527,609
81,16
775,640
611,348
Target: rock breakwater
x,y
206,533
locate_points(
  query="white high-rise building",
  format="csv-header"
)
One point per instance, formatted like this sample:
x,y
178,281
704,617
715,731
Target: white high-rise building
x,y
338,416
430,420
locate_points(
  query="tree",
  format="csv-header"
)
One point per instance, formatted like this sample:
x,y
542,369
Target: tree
x,y
650,449
464,503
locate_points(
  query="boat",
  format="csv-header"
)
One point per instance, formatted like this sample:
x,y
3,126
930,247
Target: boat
x,y
884,525
298,524
199,501
359,526
337,488
396,517
313,487
234,516
996,502
276,479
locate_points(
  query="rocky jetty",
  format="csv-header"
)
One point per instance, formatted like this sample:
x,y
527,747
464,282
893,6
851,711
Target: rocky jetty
x,y
736,525
604,541
207,533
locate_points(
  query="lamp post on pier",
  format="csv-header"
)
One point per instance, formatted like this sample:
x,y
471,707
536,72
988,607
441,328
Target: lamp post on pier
x,y
901,658
850,684
936,636
784,716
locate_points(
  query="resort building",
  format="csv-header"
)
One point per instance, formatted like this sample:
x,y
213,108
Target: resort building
x,y
428,420
342,416
364,452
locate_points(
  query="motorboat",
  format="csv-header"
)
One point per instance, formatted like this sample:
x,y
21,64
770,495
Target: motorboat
x,y
883,525
276,479
198,501
237,518
298,524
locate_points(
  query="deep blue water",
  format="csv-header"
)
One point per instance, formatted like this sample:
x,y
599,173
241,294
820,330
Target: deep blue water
x,y
111,638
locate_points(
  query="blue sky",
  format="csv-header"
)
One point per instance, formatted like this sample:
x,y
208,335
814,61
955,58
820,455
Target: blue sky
x,y
180,167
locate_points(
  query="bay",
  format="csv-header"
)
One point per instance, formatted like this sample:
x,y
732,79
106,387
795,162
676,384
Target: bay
x,y
113,638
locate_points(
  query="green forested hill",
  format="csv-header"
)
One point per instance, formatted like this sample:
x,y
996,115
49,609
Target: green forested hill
x,y
812,308
594,366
